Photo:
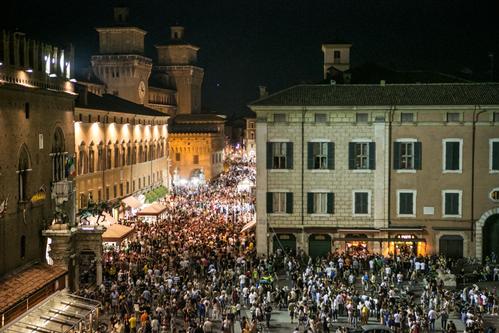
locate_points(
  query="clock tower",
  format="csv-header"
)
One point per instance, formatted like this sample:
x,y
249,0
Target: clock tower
x,y
121,63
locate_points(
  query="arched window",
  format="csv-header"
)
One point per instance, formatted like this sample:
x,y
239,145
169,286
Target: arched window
x,y
100,157
123,153
108,156
146,152
58,156
129,153
23,167
134,152
141,153
117,158
82,160
91,158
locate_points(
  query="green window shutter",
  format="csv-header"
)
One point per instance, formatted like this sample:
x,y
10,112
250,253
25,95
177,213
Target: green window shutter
x,y
330,155
495,155
372,155
351,155
269,155
358,203
310,203
310,161
396,155
418,155
330,203
289,202
289,155
455,155
270,208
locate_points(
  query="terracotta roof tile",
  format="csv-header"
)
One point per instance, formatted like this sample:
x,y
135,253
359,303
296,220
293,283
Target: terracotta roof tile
x,y
18,286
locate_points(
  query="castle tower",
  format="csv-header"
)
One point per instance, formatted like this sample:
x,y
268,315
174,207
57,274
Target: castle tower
x,y
178,60
121,63
336,57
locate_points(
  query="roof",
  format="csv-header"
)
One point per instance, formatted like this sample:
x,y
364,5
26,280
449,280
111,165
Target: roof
x,y
113,103
19,286
155,209
192,129
382,95
175,42
116,233
199,118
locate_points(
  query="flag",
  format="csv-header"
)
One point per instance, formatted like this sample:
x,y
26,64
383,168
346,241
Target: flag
x,y
70,167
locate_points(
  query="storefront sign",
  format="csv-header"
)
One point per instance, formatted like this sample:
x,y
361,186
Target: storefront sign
x,y
39,196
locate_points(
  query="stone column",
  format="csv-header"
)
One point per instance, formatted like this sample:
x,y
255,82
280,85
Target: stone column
x,y
98,271
61,246
381,175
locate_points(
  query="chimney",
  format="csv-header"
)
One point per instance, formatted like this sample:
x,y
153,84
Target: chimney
x,y
121,14
263,91
176,32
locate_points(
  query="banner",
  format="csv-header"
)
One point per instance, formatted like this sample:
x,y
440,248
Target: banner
x,y
39,196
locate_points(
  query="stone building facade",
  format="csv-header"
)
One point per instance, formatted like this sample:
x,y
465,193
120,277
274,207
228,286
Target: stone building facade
x,y
121,148
387,168
36,125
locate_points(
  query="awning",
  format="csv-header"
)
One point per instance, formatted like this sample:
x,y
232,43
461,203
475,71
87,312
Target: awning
x,y
116,233
155,209
105,219
132,202
62,312
248,226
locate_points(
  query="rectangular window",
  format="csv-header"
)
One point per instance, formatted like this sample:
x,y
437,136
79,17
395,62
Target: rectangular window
x,y
99,195
83,200
453,117
361,155
407,154
319,151
279,117
361,203
452,155
26,110
140,183
195,159
280,202
451,203
361,117
494,155
127,187
177,157
133,185
115,190
406,204
107,193
407,117
320,118
320,203
495,117
336,56
279,155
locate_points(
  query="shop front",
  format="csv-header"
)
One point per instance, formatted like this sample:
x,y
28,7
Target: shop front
x,y
319,245
356,243
285,242
407,245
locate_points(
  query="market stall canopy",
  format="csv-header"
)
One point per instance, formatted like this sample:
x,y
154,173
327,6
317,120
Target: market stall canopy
x,y
155,209
116,233
132,202
248,226
105,219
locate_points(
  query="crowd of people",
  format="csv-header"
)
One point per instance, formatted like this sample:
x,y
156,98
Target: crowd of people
x,y
195,271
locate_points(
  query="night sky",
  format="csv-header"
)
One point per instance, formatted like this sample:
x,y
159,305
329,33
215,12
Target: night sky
x,y
246,43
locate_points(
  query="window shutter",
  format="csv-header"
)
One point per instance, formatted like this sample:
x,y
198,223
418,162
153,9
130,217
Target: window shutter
x,y
270,208
396,155
357,202
269,155
289,202
330,203
448,156
310,155
495,155
351,155
330,155
418,154
310,203
289,155
372,155
455,155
